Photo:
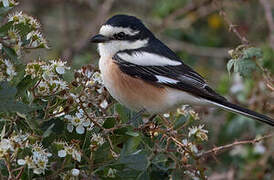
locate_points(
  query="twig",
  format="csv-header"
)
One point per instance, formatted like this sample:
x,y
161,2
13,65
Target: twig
x,y
269,19
232,27
228,146
20,172
170,19
86,113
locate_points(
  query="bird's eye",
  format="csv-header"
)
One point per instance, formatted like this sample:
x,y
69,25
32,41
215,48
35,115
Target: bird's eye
x,y
120,35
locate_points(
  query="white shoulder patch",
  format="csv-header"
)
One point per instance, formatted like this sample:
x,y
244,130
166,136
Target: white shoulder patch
x,y
108,30
163,79
148,59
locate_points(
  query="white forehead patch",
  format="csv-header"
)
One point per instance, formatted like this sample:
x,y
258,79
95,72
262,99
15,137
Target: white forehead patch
x,y
148,59
108,30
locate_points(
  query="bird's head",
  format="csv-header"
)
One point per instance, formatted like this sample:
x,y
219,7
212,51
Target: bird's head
x,y
121,32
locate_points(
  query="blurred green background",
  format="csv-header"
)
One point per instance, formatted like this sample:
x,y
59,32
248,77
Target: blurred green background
x,y
201,37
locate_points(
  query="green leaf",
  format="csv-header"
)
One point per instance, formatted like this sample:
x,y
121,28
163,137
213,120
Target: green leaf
x,y
11,54
48,131
8,102
244,67
25,84
122,112
230,65
132,133
134,161
4,10
5,28
180,122
131,145
109,123
143,176
252,52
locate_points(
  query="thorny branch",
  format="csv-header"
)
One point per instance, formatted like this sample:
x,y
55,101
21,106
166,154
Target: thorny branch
x,y
232,27
267,79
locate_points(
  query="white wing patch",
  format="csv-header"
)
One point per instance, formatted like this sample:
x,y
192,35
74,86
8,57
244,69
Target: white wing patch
x,y
163,79
148,59
108,30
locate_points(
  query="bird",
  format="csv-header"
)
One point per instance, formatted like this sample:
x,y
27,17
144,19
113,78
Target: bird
x,y
145,75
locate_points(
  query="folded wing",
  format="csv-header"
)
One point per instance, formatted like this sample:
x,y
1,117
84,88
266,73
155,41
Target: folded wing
x,y
164,71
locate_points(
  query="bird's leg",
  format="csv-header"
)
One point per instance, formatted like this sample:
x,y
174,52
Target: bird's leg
x,y
136,116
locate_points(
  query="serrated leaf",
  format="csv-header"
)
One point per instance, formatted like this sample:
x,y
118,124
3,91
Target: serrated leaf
x,y
229,65
252,52
244,67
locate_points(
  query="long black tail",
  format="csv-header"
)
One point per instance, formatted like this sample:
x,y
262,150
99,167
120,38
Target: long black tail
x,y
246,112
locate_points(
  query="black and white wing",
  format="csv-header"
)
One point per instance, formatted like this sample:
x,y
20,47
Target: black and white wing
x,y
161,70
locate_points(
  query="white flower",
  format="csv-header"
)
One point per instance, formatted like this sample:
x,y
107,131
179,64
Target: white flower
x,y
80,121
36,39
70,127
193,148
48,73
75,172
259,148
60,84
111,173
17,18
166,115
43,88
8,3
59,66
76,155
39,159
62,153
20,139
10,69
35,69
5,146
185,142
104,104
97,138
198,132
21,162
80,129
97,77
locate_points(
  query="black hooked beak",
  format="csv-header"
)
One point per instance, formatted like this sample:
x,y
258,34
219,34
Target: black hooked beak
x,y
99,38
